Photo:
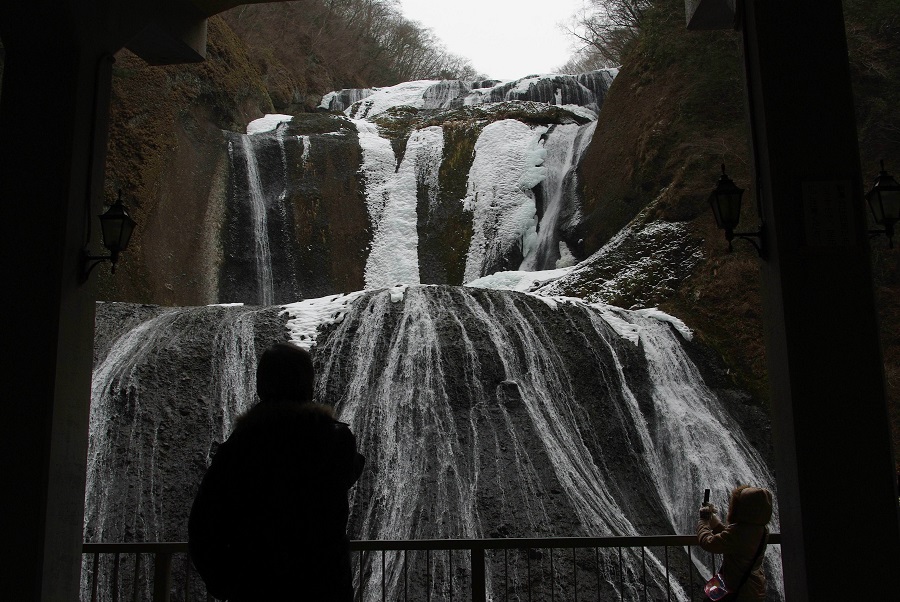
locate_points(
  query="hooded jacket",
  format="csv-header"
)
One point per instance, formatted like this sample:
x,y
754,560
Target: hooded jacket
x,y
269,520
749,512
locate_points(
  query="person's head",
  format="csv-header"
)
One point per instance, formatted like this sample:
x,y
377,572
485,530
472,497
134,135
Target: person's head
x,y
750,505
285,373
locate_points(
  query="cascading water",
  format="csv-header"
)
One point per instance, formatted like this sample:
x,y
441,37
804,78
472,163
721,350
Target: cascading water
x,y
482,414
165,392
486,412
259,220
564,146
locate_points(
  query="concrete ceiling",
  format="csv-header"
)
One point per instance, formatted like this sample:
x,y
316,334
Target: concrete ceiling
x,y
171,31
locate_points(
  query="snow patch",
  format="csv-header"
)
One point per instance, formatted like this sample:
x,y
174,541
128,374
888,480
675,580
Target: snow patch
x,y
267,123
518,280
308,316
503,213
681,327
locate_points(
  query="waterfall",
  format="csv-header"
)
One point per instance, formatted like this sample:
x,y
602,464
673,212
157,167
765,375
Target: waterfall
x,y
499,194
394,255
586,90
482,413
487,412
165,392
564,147
304,157
259,220
115,395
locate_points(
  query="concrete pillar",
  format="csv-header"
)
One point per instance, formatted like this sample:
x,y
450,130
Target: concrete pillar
x,y
834,468
52,147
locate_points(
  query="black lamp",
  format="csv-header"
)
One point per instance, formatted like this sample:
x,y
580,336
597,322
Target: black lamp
x,y
725,200
116,226
884,201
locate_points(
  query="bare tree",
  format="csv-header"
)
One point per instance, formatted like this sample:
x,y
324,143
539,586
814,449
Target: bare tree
x,y
604,29
346,43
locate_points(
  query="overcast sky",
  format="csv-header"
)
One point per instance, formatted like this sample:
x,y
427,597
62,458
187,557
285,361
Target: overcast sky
x,y
504,39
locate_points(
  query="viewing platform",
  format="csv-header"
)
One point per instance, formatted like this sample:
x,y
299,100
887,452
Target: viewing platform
x,y
588,562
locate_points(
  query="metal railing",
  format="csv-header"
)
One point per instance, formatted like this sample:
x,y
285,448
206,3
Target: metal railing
x,y
103,562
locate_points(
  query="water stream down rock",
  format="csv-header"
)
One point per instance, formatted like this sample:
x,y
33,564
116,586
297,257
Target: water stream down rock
x,y
482,413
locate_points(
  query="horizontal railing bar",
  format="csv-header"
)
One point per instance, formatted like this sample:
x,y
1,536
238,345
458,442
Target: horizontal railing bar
x,y
446,544
140,547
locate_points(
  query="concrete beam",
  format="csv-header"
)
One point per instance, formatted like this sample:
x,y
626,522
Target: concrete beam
x,y
171,41
47,320
829,412
710,14
164,32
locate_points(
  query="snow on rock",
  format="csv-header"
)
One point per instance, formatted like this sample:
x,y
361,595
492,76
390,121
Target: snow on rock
x,y
378,165
518,280
640,263
397,292
407,94
681,327
580,111
582,94
394,257
307,316
267,123
503,213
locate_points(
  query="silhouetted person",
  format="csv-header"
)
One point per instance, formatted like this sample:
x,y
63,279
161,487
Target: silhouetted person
x,y
270,518
742,541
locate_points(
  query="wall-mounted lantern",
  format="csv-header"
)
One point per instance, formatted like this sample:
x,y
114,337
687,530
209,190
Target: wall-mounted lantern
x,y
884,201
725,200
116,226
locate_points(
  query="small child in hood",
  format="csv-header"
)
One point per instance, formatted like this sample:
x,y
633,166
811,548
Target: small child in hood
x,y
742,541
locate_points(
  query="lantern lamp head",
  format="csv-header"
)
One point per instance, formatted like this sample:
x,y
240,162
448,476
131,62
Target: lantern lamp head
x,y
117,226
725,200
884,202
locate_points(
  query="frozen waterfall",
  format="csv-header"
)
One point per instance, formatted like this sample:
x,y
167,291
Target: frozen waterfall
x,y
563,148
482,413
475,406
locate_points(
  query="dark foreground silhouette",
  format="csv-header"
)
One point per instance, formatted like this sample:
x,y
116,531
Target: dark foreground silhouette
x,y
269,520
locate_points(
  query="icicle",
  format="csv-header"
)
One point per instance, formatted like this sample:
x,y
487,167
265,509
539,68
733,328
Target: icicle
x,y
394,255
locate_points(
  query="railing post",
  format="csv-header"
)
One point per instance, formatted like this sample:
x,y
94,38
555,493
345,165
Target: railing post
x,y
479,592
162,576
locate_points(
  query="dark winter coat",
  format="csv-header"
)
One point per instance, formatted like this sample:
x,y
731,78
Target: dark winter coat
x,y
738,541
269,520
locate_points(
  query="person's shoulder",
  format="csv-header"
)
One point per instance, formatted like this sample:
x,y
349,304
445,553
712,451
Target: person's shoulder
x,y
275,411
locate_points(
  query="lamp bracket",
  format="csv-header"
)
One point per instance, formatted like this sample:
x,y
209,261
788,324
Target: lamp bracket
x,y
89,262
749,237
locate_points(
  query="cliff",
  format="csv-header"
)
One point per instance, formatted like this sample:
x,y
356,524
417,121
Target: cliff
x,y
676,111
673,114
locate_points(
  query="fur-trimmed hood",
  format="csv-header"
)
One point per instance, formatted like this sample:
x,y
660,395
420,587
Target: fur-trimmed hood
x,y
276,409
751,505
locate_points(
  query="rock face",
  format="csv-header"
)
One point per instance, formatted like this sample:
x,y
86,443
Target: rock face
x,y
295,223
481,413
423,182
585,90
170,160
